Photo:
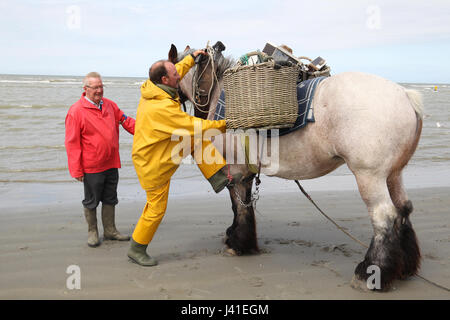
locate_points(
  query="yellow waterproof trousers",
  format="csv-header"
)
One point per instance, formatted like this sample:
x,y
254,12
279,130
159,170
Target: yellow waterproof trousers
x,y
155,208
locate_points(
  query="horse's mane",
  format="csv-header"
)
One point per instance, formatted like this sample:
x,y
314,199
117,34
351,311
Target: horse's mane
x,y
223,64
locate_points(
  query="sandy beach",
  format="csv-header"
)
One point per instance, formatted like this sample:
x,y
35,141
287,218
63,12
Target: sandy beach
x,y
303,256
49,47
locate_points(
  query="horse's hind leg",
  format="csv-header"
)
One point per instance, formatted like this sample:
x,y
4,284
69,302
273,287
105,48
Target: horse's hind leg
x,y
385,249
408,239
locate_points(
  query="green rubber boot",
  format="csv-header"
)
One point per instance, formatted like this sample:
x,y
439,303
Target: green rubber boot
x,y
109,225
138,254
220,180
91,219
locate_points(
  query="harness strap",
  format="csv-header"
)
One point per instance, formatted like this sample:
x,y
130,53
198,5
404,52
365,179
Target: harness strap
x,y
246,144
229,176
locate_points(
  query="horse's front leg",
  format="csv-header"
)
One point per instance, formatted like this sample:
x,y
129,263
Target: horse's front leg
x,y
241,235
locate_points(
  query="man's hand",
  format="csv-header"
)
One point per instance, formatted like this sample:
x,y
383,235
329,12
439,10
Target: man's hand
x,y
201,51
79,178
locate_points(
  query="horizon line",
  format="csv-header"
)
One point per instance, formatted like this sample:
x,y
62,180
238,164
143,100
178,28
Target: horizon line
x,y
108,76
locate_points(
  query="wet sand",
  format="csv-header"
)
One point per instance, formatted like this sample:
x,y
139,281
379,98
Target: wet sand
x,y
303,256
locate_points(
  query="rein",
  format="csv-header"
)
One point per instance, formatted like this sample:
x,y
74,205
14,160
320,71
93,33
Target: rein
x,y
196,90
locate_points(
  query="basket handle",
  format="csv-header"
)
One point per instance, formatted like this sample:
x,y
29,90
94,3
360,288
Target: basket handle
x,y
305,58
262,56
254,53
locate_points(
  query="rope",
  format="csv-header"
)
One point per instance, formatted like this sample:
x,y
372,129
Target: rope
x,y
331,220
355,239
197,106
433,283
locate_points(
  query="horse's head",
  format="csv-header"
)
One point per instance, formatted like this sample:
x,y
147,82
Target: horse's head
x,y
203,83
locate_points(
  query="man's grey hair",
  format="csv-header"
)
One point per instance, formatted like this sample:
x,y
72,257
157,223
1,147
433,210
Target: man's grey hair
x,y
90,75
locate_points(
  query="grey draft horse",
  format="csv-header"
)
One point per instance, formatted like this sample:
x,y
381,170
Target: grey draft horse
x,y
371,124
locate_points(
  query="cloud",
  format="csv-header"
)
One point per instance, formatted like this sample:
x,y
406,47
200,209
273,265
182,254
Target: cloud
x,y
131,31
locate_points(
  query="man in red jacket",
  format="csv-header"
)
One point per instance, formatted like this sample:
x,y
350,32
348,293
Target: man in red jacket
x,y
92,145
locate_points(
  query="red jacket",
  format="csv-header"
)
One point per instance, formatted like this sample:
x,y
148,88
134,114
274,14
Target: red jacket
x,y
92,136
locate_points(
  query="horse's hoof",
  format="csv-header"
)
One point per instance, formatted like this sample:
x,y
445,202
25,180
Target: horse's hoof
x,y
359,285
229,252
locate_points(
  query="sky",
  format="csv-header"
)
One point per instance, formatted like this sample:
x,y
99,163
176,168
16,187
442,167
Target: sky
x,y
404,41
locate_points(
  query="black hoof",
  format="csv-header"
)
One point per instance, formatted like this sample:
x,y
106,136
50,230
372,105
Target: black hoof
x,y
382,263
373,277
410,250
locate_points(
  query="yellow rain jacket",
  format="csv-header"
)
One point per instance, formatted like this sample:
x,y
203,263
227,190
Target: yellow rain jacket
x,y
158,116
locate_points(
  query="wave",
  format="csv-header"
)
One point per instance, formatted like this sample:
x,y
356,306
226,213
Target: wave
x,y
56,147
47,81
16,106
71,81
33,170
422,85
34,106
66,80
427,86
35,181
24,81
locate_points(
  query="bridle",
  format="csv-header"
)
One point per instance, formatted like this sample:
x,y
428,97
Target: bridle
x,y
197,92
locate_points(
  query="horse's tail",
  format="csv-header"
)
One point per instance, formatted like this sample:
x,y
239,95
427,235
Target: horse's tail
x,y
415,98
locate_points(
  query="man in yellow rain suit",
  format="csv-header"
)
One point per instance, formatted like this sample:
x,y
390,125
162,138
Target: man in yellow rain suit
x,y
155,151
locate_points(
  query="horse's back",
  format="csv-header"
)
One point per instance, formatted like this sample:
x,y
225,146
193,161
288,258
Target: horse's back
x,y
365,117
366,94
356,99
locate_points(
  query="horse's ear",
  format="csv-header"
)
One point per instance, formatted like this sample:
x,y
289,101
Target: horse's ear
x,y
187,49
173,54
219,46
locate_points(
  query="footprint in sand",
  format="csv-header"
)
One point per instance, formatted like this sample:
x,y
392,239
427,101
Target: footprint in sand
x,y
326,265
165,294
341,248
256,282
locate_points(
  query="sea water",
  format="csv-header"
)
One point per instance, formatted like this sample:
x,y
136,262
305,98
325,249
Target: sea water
x,y
33,160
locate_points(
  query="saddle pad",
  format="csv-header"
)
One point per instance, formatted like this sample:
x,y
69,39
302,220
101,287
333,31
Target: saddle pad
x,y
305,94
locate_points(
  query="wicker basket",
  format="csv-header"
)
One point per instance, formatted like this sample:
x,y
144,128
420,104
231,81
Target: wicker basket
x,y
259,96
306,74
